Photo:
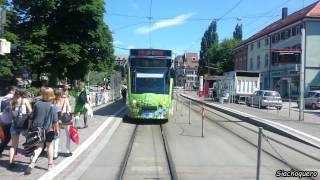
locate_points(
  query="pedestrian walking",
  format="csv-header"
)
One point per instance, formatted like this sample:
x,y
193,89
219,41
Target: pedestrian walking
x,y
63,108
124,93
20,107
46,118
82,100
6,118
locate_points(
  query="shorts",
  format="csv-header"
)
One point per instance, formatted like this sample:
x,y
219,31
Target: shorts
x,y
14,131
50,136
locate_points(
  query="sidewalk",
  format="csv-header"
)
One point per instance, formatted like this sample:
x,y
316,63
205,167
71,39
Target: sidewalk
x,y
101,113
310,125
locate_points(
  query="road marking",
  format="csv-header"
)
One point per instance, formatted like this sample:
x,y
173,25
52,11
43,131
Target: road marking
x,y
66,162
266,120
83,166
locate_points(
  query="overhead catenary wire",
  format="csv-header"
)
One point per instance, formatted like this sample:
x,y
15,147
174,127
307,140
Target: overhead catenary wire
x,y
270,20
224,15
129,25
194,19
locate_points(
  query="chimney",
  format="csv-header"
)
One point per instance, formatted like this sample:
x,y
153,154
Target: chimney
x,y
284,13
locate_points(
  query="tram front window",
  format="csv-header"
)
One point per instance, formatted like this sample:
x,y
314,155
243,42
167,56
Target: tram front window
x,y
150,80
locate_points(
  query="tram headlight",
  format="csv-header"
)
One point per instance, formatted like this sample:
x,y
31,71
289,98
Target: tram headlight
x,y
134,103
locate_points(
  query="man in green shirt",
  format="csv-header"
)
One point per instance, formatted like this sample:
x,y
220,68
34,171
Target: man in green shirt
x,y
82,98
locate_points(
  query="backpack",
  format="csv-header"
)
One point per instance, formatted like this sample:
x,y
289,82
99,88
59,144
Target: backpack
x,y
82,97
5,105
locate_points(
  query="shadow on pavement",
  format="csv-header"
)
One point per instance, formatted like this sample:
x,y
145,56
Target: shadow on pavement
x,y
110,109
129,120
19,167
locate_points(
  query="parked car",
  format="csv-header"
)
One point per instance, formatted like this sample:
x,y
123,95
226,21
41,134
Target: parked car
x,y
312,99
265,98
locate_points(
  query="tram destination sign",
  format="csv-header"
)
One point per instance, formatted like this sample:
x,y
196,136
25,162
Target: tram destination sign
x,y
150,52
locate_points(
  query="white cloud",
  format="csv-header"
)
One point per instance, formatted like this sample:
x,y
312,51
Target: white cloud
x,y
131,47
164,23
117,42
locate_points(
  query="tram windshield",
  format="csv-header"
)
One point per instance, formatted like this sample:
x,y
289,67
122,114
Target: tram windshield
x,y
150,80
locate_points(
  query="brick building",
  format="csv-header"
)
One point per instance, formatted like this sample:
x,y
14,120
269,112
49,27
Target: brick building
x,y
186,67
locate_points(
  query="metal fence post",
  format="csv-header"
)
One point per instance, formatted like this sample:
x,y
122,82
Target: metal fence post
x,y
202,118
289,108
259,153
252,101
189,111
176,103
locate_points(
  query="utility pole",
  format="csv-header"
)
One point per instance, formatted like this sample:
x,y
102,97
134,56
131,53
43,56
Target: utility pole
x,y
302,74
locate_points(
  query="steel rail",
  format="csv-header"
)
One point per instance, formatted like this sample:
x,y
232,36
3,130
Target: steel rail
x,y
172,168
125,159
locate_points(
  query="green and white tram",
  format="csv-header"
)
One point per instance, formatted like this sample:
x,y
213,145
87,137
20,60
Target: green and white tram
x,y
150,84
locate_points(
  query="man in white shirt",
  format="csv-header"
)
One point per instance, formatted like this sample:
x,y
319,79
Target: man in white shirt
x,y
6,118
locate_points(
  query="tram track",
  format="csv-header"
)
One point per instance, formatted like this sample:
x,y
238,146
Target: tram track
x,y
130,147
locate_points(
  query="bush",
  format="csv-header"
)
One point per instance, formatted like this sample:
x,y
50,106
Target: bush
x,y
33,90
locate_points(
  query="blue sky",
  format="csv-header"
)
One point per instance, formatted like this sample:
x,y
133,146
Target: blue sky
x,y
179,24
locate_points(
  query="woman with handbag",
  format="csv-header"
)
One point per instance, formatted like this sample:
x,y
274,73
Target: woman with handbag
x,y
62,106
20,109
45,119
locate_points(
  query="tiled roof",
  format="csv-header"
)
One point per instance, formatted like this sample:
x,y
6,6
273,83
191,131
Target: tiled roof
x,y
312,11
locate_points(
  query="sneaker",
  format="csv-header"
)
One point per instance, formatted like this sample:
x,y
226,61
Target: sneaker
x,y
69,154
85,126
28,170
50,167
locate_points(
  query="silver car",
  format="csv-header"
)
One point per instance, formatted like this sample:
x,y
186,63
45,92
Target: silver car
x,y
265,98
312,99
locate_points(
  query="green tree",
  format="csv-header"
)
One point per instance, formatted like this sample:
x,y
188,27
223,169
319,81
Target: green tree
x,y
80,40
237,33
209,39
9,63
221,56
62,38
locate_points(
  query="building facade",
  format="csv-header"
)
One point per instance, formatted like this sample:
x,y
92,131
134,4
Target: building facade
x,y
276,50
186,67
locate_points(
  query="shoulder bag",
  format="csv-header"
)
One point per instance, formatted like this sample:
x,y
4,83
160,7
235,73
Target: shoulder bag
x,y
67,116
21,120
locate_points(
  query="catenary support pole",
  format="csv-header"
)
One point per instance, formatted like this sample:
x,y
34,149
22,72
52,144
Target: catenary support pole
x,y
259,153
302,74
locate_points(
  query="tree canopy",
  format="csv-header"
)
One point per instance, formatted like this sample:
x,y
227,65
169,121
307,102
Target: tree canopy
x,y
209,39
237,33
217,57
63,38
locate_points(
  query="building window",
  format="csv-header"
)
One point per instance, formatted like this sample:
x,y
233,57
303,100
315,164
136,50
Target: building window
x,y
251,46
259,44
266,41
282,35
288,33
277,37
293,31
258,62
273,38
251,64
266,60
